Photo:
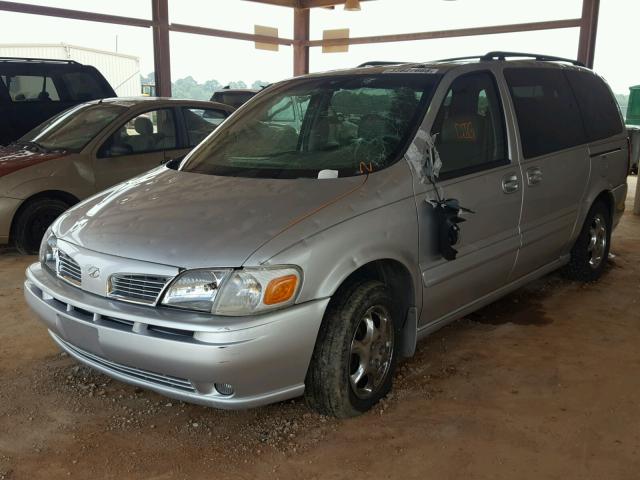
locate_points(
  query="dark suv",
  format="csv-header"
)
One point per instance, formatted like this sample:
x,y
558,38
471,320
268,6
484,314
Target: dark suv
x,y
234,97
33,90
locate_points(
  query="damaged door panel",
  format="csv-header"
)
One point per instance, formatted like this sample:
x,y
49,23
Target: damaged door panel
x,y
470,138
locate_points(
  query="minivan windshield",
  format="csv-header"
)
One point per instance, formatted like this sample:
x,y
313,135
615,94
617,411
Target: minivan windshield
x,y
74,128
336,126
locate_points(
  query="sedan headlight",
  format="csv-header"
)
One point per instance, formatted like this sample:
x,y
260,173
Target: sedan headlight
x,y
235,292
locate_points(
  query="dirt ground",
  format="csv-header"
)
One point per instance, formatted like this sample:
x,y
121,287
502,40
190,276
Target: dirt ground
x,y
543,384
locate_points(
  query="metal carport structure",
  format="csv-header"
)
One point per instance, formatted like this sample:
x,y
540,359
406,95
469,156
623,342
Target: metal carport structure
x,y
301,41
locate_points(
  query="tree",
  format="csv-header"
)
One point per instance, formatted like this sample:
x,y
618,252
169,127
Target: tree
x,y
258,84
212,86
189,88
239,84
150,78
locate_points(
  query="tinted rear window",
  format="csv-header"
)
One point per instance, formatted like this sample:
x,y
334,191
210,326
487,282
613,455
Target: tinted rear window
x,y
83,86
599,109
548,115
31,88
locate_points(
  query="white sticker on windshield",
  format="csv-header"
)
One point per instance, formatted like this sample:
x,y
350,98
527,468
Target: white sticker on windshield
x,y
324,174
411,70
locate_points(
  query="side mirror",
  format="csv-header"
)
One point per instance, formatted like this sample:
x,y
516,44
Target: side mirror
x,y
433,164
174,163
117,150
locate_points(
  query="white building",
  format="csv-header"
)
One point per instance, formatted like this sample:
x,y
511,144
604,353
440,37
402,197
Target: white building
x,y
121,71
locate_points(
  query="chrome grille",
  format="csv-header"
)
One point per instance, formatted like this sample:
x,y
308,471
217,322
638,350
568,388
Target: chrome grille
x,y
68,269
131,372
136,288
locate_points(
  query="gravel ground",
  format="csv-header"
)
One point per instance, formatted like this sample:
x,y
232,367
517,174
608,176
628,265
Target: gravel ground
x,y
542,384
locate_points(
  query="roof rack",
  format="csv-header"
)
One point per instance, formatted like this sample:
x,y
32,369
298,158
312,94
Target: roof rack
x,y
541,58
36,60
498,55
376,63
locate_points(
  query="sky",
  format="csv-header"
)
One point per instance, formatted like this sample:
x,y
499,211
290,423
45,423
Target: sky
x,y
226,60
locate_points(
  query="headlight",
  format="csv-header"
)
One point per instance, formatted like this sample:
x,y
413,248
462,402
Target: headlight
x,y
48,248
195,289
235,292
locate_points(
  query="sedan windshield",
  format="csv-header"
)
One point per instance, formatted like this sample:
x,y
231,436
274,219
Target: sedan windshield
x,y
74,128
325,127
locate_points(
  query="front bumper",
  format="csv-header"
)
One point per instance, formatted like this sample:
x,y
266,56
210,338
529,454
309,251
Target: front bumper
x,y
181,354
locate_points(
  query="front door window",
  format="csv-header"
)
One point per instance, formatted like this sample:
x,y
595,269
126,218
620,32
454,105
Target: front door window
x,y
469,128
148,132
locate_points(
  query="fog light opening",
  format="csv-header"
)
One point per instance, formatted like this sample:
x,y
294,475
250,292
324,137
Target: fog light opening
x,y
224,389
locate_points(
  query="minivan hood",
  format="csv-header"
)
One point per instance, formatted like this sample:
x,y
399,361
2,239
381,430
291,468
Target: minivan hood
x,y
194,220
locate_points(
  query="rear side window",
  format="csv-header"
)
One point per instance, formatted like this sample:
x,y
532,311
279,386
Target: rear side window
x,y
548,115
598,107
82,86
31,88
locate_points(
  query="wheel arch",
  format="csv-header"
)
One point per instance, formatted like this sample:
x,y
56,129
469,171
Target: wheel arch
x,y
398,278
598,194
606,196
53,194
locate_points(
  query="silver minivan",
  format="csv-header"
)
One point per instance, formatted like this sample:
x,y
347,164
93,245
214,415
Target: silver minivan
x,y
277,260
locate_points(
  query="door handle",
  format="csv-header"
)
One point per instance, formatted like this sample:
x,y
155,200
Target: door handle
x,y
534,176
510,183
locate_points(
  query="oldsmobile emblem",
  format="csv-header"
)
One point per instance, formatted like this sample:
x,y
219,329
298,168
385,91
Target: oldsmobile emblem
x,y
94,272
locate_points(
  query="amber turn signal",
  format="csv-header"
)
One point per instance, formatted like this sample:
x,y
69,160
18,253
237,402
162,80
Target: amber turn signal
x,y
280,289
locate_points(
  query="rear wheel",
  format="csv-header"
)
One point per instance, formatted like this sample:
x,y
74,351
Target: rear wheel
x,y
356,352
32,222
591,250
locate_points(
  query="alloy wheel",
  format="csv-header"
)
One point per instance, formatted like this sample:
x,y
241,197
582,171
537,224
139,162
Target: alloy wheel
x,y
597,241
371,351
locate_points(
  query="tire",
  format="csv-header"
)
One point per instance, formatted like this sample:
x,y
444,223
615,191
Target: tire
x,y
590,253
32,222
346,348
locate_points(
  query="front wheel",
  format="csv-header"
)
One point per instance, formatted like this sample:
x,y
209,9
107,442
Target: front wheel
x,y
356,352
590,253
32,222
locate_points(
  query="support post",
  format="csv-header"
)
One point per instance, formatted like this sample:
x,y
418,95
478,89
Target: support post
x,y
301,20
161,55
588,31
636,198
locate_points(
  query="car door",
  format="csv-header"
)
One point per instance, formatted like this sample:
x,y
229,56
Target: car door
x,y
472,142
555,163
138,145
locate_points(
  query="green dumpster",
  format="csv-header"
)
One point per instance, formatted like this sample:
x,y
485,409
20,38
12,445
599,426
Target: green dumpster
x,y
633,107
